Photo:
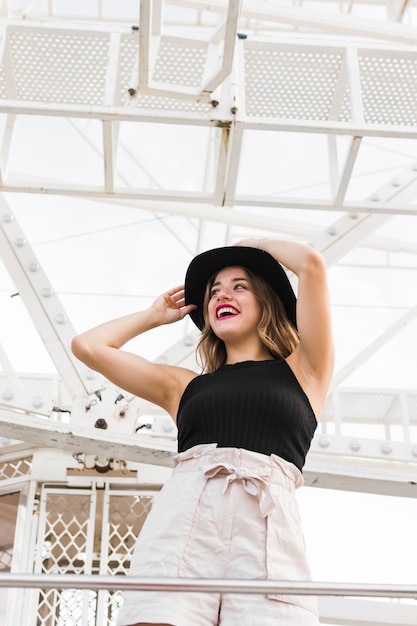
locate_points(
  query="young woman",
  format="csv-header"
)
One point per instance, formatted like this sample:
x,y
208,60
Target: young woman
x,y
244,427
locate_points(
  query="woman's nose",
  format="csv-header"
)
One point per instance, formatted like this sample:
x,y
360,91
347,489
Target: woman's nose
x,y
223,294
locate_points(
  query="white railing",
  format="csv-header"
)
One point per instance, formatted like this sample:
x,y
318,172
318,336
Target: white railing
x,y
209,585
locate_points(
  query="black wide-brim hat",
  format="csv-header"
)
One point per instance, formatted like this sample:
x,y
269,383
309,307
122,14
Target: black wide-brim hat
x,y
206,264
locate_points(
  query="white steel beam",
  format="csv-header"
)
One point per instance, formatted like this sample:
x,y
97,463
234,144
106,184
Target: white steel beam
x,y
6,146
322,470
352,229
314,20
233,115
109,156
227,49
373,347
6,62
346,173
219,50
110,444
353,80
334,461
165,201
111,98
130,114
41,301
396,9
147,44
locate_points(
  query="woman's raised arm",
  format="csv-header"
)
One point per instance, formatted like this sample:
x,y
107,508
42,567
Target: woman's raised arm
x,y
313,360
99,349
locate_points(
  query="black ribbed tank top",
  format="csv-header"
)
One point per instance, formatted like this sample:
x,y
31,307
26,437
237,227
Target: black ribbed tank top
x,y
256,405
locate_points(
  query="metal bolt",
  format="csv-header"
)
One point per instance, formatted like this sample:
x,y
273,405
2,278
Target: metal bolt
x,y
7,394
386,447
324,441
37,402
61,318
355,445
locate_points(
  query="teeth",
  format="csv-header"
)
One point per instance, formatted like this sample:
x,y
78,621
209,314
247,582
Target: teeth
x,y
227,310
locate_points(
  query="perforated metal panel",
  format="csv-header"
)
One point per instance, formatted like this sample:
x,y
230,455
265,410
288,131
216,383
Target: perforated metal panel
x,y
170,58
389,88
59,67
180,64
373,407
290,83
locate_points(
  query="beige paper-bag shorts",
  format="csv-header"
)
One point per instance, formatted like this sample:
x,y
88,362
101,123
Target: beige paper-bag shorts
x,y
224,513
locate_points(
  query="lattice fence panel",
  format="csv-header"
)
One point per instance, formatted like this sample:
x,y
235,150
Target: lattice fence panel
x,y
6,557
15,468
78,534
64,541
127,515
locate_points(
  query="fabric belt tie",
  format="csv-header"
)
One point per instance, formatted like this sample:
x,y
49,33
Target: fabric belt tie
x,y
252,482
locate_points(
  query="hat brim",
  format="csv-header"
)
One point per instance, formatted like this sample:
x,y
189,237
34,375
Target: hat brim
x,y
208,263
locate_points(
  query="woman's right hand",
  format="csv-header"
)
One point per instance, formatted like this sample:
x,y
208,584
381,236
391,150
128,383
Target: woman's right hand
x,y
99,349
170,306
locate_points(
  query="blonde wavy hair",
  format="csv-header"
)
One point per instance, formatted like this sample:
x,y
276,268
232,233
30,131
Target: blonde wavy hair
x,y
275,330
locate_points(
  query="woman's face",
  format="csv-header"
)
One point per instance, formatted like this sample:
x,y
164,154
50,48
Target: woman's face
x,y
233,308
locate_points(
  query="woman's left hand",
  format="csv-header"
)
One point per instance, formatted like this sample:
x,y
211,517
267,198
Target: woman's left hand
x,y
251,242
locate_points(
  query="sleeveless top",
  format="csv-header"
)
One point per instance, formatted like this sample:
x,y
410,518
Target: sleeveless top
x,y
255,405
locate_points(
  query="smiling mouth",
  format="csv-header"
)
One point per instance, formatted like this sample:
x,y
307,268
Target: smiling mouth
x,y
226,311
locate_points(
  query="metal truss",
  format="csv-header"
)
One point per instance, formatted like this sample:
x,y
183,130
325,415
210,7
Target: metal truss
x,y
292,85
275,85
297,77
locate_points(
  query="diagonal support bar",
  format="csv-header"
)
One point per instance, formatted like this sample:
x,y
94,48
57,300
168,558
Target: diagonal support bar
x,y
42,303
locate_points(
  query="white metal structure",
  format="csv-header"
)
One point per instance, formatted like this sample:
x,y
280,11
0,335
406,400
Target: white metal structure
x,y
135,134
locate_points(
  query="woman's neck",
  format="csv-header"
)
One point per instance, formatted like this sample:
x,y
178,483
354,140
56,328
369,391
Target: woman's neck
x,y
237,354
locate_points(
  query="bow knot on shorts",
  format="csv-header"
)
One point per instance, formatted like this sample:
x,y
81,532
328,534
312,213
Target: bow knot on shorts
x,y
254,483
